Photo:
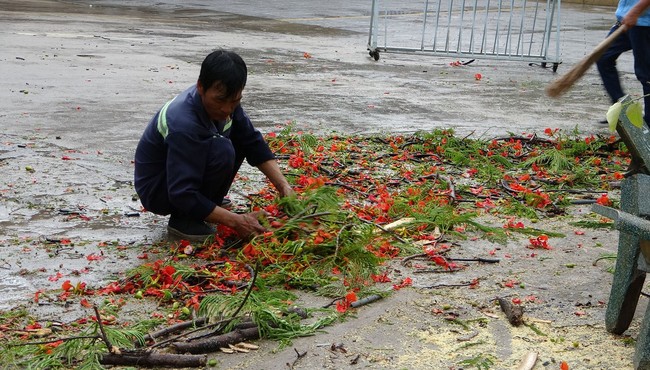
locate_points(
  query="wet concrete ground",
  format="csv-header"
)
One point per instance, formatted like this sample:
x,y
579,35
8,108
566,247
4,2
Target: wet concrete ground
x,y
80,82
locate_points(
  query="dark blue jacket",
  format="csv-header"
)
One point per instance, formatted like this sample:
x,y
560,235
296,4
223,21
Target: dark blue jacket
x,y
172,153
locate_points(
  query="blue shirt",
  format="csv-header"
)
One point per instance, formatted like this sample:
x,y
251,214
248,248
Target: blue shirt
x,y
624,6
173,152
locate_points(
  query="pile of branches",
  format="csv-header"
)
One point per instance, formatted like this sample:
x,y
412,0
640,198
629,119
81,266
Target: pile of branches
x,y
361,202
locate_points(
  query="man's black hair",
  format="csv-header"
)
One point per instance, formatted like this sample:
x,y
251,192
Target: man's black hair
x,y
226,68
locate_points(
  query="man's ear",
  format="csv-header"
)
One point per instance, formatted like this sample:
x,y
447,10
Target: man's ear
x,y
199,87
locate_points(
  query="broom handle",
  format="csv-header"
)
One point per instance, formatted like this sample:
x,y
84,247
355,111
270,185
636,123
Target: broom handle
x,y
600,48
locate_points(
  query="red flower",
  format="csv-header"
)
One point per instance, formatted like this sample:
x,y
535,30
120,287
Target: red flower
x,y
66,285
344,304
539,242
604,200
404,283
94,257
383,278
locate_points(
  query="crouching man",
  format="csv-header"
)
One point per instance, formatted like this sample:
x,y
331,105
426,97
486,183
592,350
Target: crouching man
x,y
191,150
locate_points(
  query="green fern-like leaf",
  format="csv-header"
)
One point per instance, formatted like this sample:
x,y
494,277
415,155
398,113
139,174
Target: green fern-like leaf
x,y
554,159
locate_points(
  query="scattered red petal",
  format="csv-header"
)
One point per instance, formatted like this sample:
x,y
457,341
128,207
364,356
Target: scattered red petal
x,y
94,257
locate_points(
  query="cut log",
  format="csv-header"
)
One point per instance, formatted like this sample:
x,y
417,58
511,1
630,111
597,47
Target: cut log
x,y
513,312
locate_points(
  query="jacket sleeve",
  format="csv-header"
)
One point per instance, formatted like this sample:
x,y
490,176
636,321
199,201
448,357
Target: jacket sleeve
x,y
185,171
248,141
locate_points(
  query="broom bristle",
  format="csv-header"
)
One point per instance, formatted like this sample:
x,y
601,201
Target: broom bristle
x,y
564,83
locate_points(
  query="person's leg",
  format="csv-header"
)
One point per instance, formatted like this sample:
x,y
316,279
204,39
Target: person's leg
x,y
640,40
154,195
222,166
219,173
607,65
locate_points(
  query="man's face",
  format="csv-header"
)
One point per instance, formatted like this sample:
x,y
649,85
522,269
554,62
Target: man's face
x,y
218,106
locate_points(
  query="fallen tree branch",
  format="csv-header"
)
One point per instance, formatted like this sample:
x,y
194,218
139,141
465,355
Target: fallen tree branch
x,y
212,344
531,140
53,340
199,322
153,359
434,271
478,259
182,335
446,285
345,186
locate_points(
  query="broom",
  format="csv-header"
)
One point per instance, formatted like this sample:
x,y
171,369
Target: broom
x,y
564,83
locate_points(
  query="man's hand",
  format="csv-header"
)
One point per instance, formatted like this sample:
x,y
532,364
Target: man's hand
x,y
247,225
286,191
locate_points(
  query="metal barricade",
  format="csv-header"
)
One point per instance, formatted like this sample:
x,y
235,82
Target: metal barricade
x,y
523,30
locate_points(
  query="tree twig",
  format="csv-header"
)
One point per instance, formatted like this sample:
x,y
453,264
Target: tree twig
x,y
338,238
53,340
298,357
413,256
104,337
384,230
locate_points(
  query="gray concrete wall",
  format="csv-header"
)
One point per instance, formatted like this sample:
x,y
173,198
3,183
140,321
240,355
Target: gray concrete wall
x,y
612,3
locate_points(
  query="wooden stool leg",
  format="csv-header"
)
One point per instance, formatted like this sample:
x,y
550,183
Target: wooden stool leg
x,y
626,286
